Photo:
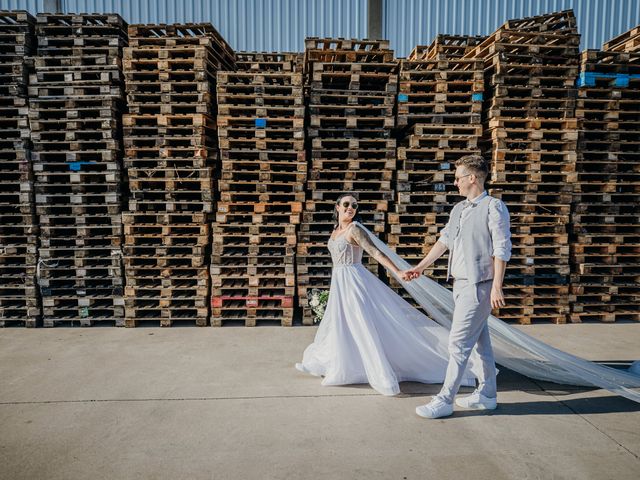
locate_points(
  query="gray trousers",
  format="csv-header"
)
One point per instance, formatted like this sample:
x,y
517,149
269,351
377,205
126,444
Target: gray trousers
x,y
470,333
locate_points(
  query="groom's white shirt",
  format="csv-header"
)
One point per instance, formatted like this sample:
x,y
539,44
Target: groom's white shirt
x,y
498,223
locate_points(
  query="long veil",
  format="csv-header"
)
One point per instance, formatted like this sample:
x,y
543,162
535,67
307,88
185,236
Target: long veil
x,y
517,350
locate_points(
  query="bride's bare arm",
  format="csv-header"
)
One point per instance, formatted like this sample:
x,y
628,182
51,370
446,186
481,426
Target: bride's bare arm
x,y
359,236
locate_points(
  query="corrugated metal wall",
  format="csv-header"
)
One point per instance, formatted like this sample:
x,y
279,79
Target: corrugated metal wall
x,y
32,6
282,25
263,25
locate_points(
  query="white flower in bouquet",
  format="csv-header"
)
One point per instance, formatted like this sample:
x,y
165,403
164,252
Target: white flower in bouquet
x,y
318,303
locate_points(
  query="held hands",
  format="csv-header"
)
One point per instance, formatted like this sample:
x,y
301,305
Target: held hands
x,y
411,274
497,297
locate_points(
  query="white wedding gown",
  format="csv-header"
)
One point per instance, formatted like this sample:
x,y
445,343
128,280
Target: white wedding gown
x,y
369,334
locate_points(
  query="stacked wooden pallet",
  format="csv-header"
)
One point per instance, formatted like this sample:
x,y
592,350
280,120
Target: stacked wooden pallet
x,y
170,157
352,89
605,235
261,136
269,62
530,71
19,302
448,46
628,41
76,96
439,106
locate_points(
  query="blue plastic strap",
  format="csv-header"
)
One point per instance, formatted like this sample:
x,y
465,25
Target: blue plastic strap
x,y
77,166
622,80
588,79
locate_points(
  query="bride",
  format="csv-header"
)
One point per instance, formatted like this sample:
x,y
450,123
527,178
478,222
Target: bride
x,y
369,334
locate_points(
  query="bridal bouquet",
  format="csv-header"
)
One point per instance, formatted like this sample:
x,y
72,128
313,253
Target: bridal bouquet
x,y
318,303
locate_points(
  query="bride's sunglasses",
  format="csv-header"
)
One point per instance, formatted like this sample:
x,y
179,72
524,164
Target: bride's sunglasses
x,y
353,204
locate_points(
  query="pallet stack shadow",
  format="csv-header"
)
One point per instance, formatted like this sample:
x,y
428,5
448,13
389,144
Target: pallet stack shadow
x,y
76,97
352,89
438,117
605,232
529,116
19,299
170,156
261,137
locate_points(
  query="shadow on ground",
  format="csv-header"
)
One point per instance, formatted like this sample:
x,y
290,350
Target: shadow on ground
x,y
508,380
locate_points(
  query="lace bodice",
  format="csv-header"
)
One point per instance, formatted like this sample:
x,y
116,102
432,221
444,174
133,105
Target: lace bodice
x,y
343,252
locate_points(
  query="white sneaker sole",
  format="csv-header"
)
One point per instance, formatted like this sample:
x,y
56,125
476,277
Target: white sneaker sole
x,y
421,414
477,406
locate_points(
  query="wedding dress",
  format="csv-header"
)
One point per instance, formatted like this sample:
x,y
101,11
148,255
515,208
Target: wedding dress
x,y
513,348
369,334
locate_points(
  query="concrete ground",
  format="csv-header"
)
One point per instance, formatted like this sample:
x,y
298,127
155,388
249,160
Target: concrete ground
x,y
226,403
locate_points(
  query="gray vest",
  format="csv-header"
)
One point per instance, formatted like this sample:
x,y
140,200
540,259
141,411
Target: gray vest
x,y
476,244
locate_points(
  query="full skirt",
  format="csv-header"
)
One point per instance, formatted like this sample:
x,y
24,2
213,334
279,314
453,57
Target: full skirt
x,y
369,334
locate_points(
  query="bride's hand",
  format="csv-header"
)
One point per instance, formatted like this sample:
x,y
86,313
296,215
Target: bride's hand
x,y
410,274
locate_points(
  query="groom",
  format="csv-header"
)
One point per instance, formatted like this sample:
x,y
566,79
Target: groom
x,y
479,243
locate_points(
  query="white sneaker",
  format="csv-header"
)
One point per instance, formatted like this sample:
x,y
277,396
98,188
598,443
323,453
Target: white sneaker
x,y
477,401
436,408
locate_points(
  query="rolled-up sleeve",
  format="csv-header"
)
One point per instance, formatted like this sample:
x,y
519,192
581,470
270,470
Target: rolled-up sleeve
x,y
444,235
500,228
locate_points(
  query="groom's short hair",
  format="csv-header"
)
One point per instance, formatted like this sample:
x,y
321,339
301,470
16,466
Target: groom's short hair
x,y
475,164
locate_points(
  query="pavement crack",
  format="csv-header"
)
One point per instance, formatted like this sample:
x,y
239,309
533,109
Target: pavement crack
x,y
183,399
205,399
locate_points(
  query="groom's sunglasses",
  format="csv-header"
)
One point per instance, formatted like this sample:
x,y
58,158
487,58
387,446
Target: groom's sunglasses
x,y
353,204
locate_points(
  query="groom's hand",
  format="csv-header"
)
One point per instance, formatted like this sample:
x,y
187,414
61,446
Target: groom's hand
x,y
497,297
410,274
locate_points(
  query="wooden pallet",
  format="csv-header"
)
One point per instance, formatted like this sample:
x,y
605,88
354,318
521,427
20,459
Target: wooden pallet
x,y
447,46
175,35
276,99
534,315
562,21
263,171
628,41
269,61
355,82
519,42
591,313
331,145
16,21
268,286
279,270
361,111
166,317
320,97
326,43
266,312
